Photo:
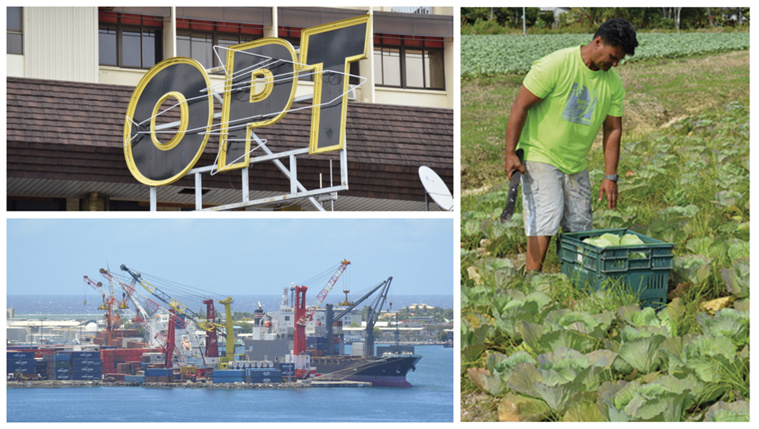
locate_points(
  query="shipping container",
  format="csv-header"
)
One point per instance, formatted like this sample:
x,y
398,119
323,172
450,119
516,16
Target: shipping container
x,y
85,354
20,355
59,357
61,374
287,369
228,376
88,377
263,375
86,362
27,368
159,372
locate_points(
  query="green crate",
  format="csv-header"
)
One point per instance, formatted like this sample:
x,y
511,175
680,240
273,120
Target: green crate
x,y
644,268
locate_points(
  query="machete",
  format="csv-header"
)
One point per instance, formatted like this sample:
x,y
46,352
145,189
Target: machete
x,y
508,211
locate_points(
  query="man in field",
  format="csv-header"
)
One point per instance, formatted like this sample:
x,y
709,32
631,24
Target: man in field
x,y
565,99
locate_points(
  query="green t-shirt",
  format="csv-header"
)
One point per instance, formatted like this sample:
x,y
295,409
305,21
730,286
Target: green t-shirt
x,y
576,100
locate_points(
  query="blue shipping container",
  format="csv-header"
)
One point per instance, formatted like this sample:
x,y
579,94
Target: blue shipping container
x,y
228,376
159,372
87,370
87,376
61,374
288,369
86,362
20,355
22,362
27,368
85,354
58,357
228,372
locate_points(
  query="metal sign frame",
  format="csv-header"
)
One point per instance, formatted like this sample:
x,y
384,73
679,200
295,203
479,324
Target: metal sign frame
x,y
239,131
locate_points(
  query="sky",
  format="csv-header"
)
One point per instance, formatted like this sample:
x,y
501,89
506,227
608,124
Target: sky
x,y
231,256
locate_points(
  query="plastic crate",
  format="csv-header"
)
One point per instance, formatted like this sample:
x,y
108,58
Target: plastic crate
x,y
644,268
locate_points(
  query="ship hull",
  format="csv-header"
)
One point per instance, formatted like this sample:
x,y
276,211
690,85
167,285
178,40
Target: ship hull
x,y
381,371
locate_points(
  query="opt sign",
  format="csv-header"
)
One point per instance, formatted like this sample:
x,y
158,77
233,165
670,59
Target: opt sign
x,y
326,53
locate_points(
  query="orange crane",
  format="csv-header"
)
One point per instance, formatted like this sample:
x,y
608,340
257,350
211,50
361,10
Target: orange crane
x,y
112,317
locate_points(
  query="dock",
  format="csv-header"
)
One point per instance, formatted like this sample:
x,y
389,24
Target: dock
x,y
339,383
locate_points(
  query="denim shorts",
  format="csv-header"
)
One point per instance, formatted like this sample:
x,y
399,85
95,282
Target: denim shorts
x,y
552,199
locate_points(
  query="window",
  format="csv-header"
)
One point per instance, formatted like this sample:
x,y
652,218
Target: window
x,y
196,39
15,31
409,62
128,40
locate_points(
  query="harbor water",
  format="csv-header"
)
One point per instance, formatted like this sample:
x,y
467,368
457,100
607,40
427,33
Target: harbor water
x,y
429,400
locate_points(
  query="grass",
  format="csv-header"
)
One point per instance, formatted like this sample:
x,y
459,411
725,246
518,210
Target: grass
x,y
658,92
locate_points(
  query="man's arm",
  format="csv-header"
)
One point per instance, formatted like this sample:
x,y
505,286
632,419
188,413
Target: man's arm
x,y
517,118
612,136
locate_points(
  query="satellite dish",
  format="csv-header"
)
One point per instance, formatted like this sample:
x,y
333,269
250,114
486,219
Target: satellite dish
x,y
435,188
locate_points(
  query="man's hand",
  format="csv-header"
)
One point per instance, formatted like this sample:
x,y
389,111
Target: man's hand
x,y
513,164
608,189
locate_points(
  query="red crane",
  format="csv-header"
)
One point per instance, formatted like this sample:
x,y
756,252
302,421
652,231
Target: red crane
x,y
323,294
169,349
303,314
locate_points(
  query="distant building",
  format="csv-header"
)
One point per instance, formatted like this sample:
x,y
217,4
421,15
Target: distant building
x,y
420,307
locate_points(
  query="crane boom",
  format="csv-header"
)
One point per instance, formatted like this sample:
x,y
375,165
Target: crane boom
x,y
171,302
323,294
353,305
130,293
332,317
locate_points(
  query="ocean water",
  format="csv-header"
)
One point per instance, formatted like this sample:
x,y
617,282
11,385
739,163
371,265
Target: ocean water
x,y
429,400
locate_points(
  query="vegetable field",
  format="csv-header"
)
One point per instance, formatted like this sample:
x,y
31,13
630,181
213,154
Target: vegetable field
x,y
535,347
500,54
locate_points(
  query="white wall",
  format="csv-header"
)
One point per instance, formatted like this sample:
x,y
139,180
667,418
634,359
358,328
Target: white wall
x,y
61,43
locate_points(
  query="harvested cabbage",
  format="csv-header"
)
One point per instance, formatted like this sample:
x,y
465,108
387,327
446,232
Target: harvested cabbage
x,y
598,242
608,240
630,240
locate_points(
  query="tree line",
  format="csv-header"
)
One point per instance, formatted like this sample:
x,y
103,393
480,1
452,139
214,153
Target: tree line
x,y
497,20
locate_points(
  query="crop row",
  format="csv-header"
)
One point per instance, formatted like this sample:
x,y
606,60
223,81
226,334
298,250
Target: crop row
x,y
548,351
488,55
623,365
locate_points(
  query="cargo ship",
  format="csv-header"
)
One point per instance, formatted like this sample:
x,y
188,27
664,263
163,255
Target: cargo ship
x,y
386,370
322,355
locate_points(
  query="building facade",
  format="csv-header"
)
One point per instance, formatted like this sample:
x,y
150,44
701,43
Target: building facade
x,y
72,70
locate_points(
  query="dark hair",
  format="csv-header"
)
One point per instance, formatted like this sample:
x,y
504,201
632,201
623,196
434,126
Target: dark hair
x,y
618,32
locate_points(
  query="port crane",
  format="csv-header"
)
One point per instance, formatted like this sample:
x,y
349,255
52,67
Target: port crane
x,y
209,325
165,341
309,314
332,317
304,315
112,315
140,310
373,315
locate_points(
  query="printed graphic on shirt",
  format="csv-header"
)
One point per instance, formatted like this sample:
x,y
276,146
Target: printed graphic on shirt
x,y
580,106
